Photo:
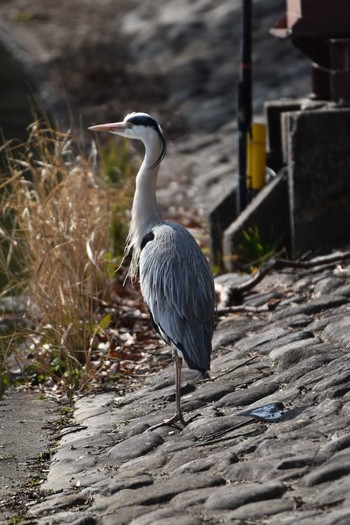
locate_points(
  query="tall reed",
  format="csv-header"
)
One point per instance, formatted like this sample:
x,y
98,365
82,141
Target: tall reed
x,y
56,247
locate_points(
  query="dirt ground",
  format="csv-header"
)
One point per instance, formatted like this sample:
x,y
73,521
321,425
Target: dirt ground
x,y
28,427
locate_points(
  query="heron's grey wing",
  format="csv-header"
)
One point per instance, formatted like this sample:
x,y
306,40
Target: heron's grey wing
x,y
178,288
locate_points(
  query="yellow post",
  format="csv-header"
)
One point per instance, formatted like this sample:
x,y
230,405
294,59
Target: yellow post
x,y
256,157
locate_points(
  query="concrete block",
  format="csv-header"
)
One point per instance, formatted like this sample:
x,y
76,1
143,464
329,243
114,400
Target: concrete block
x,y
220,216
276,142
274,109
318,178
269,211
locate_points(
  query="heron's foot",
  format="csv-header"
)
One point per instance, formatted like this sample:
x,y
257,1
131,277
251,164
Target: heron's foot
x,y
172,422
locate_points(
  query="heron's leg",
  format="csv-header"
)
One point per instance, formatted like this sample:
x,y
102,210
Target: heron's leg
x,y
178,368
177,417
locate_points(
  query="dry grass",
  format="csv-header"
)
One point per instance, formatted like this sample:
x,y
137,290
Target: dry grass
x,y
56,249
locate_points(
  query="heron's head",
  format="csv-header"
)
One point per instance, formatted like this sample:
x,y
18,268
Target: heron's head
x,y
137,126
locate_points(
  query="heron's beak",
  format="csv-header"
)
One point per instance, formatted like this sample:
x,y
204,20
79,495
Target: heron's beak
x,y
114,127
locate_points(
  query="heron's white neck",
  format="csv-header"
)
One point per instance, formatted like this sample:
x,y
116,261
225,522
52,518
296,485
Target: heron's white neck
x,y
145,213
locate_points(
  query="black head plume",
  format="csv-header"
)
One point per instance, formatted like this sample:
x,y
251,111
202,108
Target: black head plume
x,y
143,119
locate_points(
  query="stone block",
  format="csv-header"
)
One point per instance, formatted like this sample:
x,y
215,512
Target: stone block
x,y
268,211
234,496
319,181
273,111
220,216
134,447
339,332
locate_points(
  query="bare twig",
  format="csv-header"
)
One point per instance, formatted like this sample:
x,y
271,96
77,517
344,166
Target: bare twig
x,y
277,264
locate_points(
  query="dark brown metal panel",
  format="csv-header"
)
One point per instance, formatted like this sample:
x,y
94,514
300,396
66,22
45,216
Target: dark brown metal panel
x,y
321,30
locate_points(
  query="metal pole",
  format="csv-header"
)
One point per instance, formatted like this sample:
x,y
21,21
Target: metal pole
x,y
244,102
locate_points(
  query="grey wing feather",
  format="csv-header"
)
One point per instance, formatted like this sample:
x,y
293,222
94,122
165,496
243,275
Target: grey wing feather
x,y
178,288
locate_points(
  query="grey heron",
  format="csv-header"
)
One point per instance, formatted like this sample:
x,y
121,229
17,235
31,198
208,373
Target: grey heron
x,y
175,278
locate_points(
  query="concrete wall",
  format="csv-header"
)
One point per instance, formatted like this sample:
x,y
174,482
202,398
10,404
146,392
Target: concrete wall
x,y
309,208
269,212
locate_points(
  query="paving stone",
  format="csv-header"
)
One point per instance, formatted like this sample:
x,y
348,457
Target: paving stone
x,y
336,445
309,517
320,322
339,332
234,496
123,516
253,342
162,491
160,412
303,282
327,411
326,285
165,380
248,396
338,373
308,374
163,396
228,333
293,337
344,290
130,482
151,461
184,462
284,447
250,470
296,462
336,467
238,374
85,520
57,503
337,517
261,509
334,493
135,428
191,497
346,403
70,472
91,406
224,338
79,445
288,477
166,517
173,445
314,306
204,428
225,361
140,393
260,299
57,518
296,321
210,392
300,343
295,353
331,424
134,447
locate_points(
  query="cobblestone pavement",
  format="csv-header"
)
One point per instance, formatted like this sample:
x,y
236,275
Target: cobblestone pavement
x,y
225,467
